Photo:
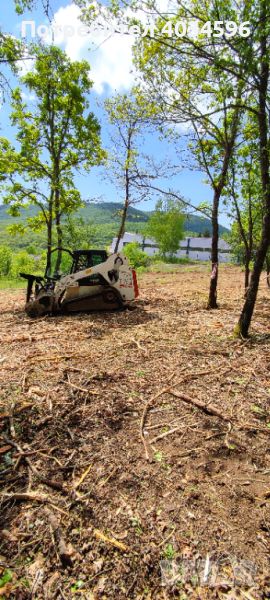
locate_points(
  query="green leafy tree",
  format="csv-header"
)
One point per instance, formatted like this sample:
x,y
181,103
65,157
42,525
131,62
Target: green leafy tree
x,y
129,168
79,233
245,198
57,136
166,226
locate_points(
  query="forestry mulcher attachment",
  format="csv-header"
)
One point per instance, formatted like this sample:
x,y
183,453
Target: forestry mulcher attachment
x,y
95,282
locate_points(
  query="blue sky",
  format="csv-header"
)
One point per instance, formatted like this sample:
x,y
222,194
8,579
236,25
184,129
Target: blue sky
x,y
111,72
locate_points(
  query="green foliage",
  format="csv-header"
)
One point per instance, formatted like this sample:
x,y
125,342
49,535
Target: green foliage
x,y
128,116
103,215
21,5
63,268
173,260
244,198
5,261
57,135
79,233
169,552
137,258
22,262
32,250
166,226
6,578
77,586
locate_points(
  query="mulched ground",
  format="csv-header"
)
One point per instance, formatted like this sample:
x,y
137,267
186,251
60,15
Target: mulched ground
x,y
135,447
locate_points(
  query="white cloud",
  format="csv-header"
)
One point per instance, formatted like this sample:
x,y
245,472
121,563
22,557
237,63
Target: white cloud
x,y
109,54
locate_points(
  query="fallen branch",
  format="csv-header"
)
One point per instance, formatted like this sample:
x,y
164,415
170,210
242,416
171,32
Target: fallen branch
x,y
166,390
137,343
81,389
206,408
82,478
163,435
143,419
104,538
28,496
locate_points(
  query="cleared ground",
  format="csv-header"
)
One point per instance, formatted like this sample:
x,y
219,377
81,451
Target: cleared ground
x,y
139,459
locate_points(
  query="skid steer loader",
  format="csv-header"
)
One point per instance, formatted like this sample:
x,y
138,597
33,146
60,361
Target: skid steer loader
x,y
94,281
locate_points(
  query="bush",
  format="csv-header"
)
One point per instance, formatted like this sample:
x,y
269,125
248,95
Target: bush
x,y
174,260
22,262
136,256
5,261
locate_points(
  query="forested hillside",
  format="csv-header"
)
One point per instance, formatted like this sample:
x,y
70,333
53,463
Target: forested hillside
x,y
103,218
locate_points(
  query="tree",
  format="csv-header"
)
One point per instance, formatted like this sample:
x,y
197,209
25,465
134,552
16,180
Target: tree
x,y
56,136
260,76
243,58
244,192
166,226
191,90
129,167
214,152
78,233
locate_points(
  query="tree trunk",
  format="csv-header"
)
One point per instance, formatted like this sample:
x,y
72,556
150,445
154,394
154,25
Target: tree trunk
x,y
49,238
127,192
247,239
59,232
49,247
268,271
212,300
247,273
246,315
243,325
59,243
122,226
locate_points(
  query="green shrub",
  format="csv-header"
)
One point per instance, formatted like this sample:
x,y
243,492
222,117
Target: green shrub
x,y
174,260
5,261
136,256
22,262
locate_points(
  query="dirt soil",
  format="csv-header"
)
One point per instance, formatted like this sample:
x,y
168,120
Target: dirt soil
x,y
134,447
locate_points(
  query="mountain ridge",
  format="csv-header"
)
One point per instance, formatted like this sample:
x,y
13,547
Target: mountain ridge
x,y
108,212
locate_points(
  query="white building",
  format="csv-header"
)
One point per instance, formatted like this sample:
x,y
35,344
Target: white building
x,y
194,248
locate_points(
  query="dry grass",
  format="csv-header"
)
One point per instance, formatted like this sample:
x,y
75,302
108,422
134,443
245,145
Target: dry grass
x,y
106,476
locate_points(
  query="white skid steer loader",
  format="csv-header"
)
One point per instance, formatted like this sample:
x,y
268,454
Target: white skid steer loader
x,y
95,282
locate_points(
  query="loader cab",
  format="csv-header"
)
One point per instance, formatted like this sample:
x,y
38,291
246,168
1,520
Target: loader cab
x,y
73,261
85,259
